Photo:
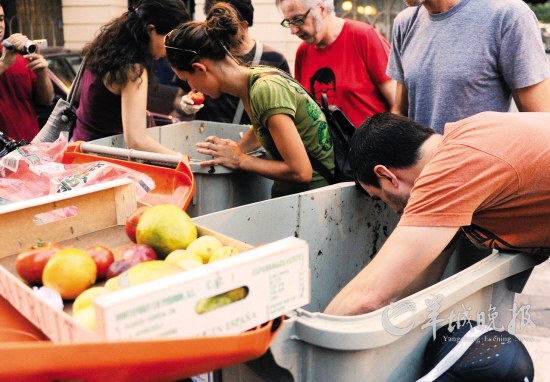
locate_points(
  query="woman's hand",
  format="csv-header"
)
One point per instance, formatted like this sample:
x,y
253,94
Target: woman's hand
x,y
225,152
191,102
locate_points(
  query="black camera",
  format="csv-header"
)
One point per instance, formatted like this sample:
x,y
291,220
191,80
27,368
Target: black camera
x,y
8,144
30,47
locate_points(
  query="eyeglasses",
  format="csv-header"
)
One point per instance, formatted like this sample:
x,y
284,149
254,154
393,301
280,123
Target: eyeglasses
x,y
181,49
297,21
176,48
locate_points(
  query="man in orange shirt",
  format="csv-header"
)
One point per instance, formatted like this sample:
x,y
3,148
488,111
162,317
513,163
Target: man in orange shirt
x,y
487,177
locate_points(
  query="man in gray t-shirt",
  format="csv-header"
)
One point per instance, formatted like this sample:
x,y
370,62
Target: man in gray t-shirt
x,y
456,59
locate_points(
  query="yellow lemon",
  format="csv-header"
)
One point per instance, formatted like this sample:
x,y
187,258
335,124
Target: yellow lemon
x,y
112,284
86,318
222,253
205,246
144,272
189,263
237,294
70,272
182,254
212,303
86,298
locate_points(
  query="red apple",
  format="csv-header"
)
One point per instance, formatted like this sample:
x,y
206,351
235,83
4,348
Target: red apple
x,y
132,221
197,98
139,252
119,266
103,258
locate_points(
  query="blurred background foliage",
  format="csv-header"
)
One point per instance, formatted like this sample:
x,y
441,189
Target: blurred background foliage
x,y
542,11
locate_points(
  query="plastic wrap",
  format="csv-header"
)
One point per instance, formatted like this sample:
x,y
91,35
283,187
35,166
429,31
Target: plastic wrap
x,y
36,170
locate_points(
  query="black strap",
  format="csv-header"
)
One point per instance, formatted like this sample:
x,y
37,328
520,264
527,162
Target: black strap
x,y
315,163
76,83
321,169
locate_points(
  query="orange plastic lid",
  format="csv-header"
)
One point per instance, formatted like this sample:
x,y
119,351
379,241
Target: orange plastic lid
x,y
172,186
16,328
153,360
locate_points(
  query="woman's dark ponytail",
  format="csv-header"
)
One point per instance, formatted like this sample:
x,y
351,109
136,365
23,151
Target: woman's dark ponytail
x,y
220,35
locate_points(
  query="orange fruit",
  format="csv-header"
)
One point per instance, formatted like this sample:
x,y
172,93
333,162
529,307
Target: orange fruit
x,y
166,228
70,271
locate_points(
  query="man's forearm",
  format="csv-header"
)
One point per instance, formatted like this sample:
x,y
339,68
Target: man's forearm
x,y
401,104
535,98
44,89
408,262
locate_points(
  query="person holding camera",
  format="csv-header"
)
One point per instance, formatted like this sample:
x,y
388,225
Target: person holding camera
x,y
24,83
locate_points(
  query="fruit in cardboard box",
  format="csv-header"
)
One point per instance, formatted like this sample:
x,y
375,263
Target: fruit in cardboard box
x,y
140,253
132,221
237,294
212,303
166,228
119,266
111,284
69,271
103,258
205,246
86,298
143,272
189,263
182,254
184,259
85,318
223,253
30,263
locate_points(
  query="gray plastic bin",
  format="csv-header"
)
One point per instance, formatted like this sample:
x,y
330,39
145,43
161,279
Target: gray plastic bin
x,y
344,229
217,187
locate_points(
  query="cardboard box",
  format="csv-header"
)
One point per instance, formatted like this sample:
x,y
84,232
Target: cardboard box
x,y
276,274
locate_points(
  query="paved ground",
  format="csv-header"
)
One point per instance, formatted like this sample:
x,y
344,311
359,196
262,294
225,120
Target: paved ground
x,y
537,339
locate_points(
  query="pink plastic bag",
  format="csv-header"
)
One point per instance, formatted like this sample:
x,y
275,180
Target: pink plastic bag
x,y
36,170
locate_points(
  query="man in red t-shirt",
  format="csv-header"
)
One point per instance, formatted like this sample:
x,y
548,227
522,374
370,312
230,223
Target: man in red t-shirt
x,y
346,59
24,81
486,178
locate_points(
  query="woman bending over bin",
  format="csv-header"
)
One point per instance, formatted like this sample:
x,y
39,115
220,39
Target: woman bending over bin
x,y
118,62
286,121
